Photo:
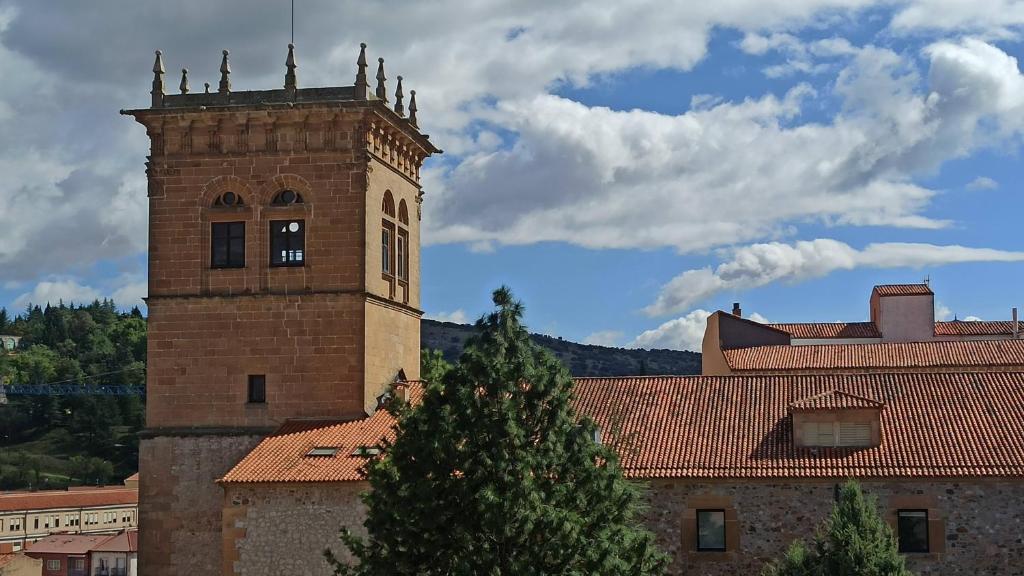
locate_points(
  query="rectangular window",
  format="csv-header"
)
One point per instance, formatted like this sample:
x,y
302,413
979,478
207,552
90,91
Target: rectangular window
x,y
913,530
227,245
385,251
403,255
287,242
53,565
79,563
711,530
257,389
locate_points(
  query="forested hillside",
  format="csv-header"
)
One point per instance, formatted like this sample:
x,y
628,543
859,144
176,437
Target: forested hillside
x,y
54,441
581,359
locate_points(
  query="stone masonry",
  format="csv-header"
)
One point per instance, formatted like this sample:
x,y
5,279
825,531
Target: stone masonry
x,y
975,525
261,521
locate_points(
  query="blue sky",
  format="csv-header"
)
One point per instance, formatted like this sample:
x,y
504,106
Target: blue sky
x,y
626,167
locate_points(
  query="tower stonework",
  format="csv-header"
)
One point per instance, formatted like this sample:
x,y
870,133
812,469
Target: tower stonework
x,y
283,283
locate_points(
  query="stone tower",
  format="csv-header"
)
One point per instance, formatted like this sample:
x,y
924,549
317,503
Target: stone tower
x,y
283,280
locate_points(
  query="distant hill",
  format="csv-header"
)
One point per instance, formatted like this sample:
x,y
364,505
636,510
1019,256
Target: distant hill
x,y
581,359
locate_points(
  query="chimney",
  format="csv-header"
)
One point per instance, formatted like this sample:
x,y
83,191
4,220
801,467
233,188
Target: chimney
x,y
736,311
1016,326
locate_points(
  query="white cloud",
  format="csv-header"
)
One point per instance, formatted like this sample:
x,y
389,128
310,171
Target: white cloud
x,y
942,312
56,291
731,172
760,264
972,319
604,338
982,183
130,293
457,316
683,333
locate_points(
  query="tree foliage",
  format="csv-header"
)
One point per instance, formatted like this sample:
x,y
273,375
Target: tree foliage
x,y
855,541
493,473
89,344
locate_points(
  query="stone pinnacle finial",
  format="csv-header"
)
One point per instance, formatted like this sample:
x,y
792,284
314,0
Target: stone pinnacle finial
x,y
399,108
225,69
184,81
362,86
290,82
382,91
158,80
206,85
412,108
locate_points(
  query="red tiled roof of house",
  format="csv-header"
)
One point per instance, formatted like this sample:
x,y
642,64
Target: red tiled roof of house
x,y
830,329
975,328
895,355
125,541
835,400
282,456
76,544
81,498
903,290
933,425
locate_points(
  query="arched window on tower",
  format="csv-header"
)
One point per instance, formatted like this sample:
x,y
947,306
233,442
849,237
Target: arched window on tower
x,y
402,256
287,236
287,198
227,238
387,237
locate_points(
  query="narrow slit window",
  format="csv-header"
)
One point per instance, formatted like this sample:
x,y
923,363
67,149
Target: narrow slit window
x,y
287,243
402,259
385,251
257,389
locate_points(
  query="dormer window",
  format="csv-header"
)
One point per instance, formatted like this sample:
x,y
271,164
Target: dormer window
x,y
836,419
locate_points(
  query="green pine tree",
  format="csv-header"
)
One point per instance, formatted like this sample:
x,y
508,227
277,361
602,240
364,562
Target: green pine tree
x,y
494,474
855,541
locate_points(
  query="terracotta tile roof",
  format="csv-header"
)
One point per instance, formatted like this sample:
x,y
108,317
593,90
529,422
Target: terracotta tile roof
x,y
933,425
975,328
903,289
282,456
830,329
126,541
902,355
75,544
835,400
81,498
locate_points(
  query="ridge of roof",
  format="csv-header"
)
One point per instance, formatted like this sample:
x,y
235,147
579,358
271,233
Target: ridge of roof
x,y
933,354
835,400
815,330
903,290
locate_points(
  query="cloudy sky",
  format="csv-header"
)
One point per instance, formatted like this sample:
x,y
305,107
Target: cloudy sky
x,y
626,166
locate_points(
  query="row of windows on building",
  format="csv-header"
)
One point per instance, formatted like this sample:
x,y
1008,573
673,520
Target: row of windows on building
x,y
288,237
69,520
911,531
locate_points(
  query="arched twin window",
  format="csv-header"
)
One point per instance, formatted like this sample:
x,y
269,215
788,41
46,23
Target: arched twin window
x,y
394,240
287,237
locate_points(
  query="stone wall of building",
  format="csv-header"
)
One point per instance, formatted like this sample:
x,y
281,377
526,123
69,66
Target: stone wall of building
x,y
974,525
274,529
180,502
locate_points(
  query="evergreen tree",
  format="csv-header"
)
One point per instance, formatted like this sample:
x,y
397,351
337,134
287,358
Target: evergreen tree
x,y
855,541
494,474
433,366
